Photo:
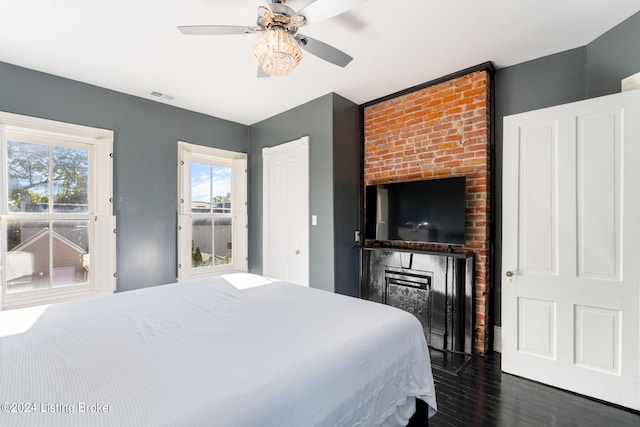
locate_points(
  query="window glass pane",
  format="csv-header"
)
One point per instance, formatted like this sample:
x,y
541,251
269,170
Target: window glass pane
x,y
200,187
221,189
28,173
27,255
202,237
70,252
222,241
70,179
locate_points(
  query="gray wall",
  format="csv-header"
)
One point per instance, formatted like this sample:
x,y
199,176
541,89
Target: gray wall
x,y
346,197
145,148
327,121
313,119
586,72
612,57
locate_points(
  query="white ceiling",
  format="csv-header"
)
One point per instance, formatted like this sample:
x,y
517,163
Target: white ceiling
x,y
133,46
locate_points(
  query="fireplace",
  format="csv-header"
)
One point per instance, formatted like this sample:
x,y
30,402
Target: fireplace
x,y
441,129
436,288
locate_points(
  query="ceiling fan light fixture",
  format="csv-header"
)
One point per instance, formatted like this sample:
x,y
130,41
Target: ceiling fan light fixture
x,y
277,52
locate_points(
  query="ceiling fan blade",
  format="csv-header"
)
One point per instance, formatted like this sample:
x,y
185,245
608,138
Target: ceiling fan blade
x,y
209,30
320,10
324,51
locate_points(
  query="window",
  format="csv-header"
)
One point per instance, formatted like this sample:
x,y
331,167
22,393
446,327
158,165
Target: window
x,y
56,227
213,211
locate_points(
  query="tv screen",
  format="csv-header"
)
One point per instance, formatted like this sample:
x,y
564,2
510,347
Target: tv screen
x,y
430,211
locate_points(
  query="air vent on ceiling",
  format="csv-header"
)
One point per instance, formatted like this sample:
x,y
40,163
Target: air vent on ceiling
x,y
161,95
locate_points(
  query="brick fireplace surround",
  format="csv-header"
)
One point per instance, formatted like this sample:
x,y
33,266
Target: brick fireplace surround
x,y
440,131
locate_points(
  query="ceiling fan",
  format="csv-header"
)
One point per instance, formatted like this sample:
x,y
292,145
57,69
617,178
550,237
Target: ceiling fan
x,y
278,50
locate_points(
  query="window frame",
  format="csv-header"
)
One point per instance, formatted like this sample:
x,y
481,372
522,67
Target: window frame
x,y
99,143
237,161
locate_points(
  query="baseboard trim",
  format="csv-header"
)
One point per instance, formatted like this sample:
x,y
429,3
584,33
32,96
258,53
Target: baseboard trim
x,y
497,339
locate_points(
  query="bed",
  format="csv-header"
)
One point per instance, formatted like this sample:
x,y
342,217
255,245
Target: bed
x,y
236,350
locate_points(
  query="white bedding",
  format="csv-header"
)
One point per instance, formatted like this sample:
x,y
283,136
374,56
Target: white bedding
x,y
207,353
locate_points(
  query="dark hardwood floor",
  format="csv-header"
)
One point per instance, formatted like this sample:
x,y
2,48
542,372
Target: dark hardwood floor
x,y
481,395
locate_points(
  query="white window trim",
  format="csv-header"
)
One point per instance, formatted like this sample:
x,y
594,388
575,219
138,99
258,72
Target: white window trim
x,y
239,213
103,255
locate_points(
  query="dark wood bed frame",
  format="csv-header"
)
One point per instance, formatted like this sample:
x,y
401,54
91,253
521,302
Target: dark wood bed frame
x,y
421,417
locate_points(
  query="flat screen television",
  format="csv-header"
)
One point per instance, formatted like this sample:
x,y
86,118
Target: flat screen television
x,y
426,211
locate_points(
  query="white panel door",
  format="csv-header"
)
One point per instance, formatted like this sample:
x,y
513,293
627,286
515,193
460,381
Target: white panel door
x,y
285,252
571,258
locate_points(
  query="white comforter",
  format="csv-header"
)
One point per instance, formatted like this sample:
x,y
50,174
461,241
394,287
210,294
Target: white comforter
x,y
205,353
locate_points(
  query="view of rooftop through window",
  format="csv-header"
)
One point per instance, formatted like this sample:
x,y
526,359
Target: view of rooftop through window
x,y
211,214
49,251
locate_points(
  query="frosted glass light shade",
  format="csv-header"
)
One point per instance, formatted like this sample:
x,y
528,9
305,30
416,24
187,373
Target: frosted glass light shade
x,y
277,52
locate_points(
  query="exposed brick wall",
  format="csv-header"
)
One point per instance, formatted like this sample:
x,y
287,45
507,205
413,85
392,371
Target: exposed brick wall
x,y
440,131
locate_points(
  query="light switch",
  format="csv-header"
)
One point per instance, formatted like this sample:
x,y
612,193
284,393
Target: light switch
x,y
314,219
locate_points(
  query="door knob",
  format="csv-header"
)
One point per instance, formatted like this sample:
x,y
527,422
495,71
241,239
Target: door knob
x,y
297,252
509,273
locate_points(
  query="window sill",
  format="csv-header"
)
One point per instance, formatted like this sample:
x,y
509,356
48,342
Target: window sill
x,y
212,273
10,302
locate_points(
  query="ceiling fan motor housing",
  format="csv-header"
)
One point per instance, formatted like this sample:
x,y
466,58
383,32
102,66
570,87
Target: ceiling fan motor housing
x,y
281,16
